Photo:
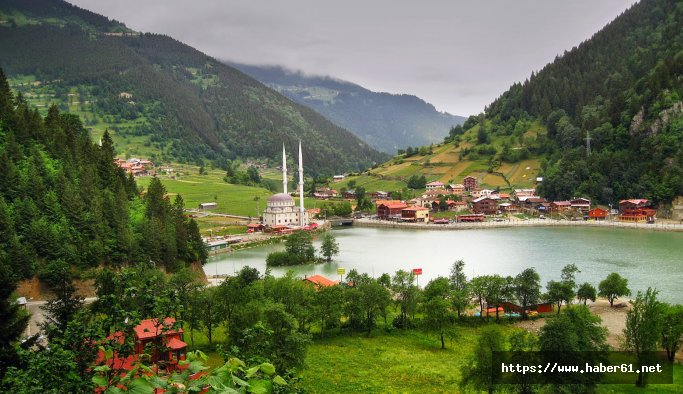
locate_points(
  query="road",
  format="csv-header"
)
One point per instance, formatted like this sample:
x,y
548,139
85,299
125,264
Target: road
x,y
38,315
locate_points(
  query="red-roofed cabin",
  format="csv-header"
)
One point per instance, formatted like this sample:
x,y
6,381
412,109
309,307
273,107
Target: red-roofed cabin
x,y
597,214
636,210
161,340
254,227
320,281
389,209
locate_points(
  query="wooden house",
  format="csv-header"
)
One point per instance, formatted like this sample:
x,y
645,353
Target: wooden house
x,y
470,183
415,214
597,214
485,205
390,209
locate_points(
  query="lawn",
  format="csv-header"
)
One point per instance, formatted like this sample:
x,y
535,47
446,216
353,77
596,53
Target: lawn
x,y
397,362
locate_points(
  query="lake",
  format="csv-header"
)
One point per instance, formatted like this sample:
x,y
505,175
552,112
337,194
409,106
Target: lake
x,y
646,258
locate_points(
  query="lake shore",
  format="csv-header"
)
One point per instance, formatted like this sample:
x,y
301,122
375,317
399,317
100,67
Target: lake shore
x,y
672,227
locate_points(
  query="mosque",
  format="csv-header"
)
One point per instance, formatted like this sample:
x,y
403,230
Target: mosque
x,y
281,209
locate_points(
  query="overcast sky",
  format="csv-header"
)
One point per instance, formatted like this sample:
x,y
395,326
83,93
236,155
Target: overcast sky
x,y
457,55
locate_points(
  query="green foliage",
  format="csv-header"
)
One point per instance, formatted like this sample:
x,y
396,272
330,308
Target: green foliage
x,y
586,292
459,286
477,374
298,250
622,88
437,307
575,333
417,182
329,246
643,327
672,329
406,294
559,292
527,288
613,287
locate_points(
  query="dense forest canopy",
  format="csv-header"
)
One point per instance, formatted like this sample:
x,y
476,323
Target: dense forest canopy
x,y
62,200
623,89
191,107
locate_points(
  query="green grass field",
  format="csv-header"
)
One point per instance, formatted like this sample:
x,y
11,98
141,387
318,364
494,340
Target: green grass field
x,y
409,362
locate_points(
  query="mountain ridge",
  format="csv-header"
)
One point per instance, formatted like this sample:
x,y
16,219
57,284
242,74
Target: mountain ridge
x,y
387,121
182,104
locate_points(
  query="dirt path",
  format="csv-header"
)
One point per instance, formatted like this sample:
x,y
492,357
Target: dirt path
x,y
614,319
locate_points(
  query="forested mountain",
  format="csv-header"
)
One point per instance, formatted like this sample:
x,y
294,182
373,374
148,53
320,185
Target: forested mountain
x,y
177,101
63,201
386,121
623,88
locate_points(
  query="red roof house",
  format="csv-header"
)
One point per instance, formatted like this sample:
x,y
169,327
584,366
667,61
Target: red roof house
x,y
320,281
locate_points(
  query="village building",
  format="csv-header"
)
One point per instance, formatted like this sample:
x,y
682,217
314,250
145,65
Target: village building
x,y
597,214
457,189
349,195
206,206
324,193
281,209
581,204
319,281
380,195
390,209
507,207
434,193
456,206
477,217
415,214
485,205
161,340
338,178
560,206
435,185
636,210
525,193
476,193
470,183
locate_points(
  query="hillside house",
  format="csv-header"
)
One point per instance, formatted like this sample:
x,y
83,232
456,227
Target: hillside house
x,y
581,204
319,281
485,205
207,206
349,195
597,214
390,209
380,195
338,178
415,214
636,210
435,185
470,183
457,189
161,340
560,206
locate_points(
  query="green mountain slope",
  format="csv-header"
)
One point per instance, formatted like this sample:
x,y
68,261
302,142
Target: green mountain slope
x,y
623,87
386,121
158,95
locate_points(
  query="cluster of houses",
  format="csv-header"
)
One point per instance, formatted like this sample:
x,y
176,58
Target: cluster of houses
x,y
480,202
135,166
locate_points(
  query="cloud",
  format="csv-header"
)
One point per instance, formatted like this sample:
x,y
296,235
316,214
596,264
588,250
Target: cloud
x,y
457,55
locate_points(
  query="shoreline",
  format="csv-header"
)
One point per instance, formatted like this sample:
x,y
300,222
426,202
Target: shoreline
x,y
667,227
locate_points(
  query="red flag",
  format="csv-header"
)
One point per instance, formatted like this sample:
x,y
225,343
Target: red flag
x,y
417,271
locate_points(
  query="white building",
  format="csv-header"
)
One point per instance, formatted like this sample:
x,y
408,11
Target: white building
x,y
281,209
